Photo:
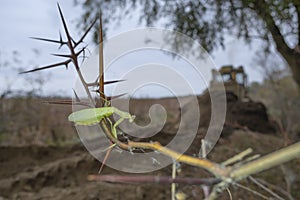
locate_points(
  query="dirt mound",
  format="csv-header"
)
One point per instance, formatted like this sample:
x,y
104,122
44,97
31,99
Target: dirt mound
x,y
239,115
27,121
248,115
252,115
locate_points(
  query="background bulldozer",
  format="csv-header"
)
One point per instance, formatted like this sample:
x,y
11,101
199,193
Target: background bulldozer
x,y
234,79
242,111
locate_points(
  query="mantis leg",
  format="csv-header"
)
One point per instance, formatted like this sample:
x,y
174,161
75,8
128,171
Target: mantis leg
x,y
123,115
114,128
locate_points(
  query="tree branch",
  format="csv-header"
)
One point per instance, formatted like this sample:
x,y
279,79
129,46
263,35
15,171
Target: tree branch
x,y
297,7
266,162
262,9
214,168
153,179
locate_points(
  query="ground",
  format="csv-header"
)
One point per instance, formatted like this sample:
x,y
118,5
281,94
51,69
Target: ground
x,y
58,170
60,173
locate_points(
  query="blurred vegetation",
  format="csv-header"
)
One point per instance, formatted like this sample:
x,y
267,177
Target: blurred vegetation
x,y
25,121
275,22
279,92
280,95
12,85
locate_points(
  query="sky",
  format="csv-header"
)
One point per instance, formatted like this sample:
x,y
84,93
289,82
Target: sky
x,y
21,20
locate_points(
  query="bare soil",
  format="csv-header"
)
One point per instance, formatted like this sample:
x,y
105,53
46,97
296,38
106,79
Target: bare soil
x,y
33,172
60,173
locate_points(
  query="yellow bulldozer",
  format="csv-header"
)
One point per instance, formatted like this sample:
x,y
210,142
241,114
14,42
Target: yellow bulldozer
x,y
234,79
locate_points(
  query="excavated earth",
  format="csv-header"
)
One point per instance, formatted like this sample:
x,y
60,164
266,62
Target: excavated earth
x,y
33,172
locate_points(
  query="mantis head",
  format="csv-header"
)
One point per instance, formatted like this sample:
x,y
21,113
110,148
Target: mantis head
x,y
131,119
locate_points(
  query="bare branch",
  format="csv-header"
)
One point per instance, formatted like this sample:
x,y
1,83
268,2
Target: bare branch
x,y
265,188
266,162
154,179
297,6
262,10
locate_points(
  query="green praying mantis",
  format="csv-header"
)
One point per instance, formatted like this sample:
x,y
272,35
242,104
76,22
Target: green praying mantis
x,y
91,116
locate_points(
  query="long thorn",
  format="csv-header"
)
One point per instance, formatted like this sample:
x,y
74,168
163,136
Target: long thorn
x,y
101,62
76,96
61,55
49,40
85,33
65,63
65,27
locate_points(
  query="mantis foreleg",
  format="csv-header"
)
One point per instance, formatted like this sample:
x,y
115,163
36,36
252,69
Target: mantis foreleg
x,y
123,115
114,128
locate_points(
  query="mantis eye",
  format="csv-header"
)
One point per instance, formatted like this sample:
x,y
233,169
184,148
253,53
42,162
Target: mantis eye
x,y
132,118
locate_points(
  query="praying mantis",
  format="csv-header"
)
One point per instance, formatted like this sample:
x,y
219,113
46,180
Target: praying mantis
x,y
91,116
